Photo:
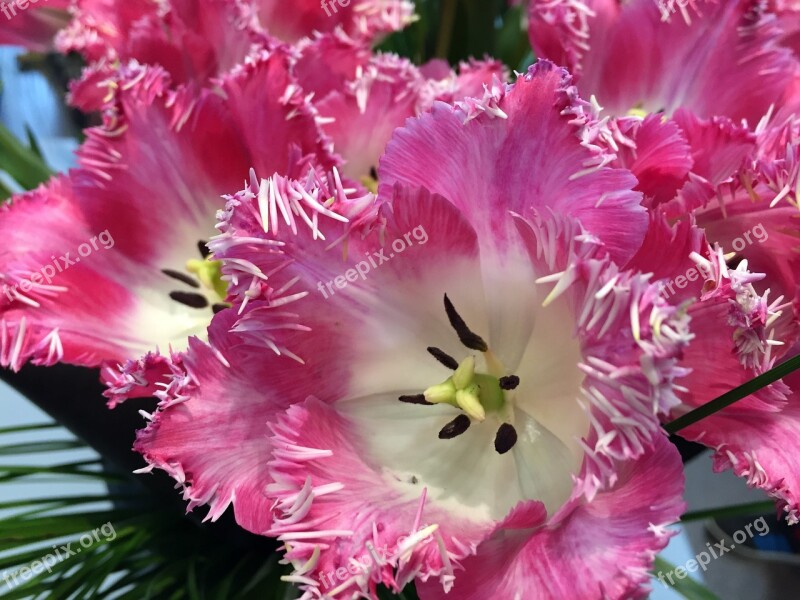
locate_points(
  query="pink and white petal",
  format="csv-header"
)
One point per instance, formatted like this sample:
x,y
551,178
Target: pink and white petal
x,y
336,508
52,310
210,431
361,118
381,350
627,378
151,180
603,548
717,58
402,291
533,145
599,298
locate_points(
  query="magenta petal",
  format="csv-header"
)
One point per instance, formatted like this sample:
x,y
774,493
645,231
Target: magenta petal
x,y
151,180
361,117
100,28
719,147
210,432
761,447
193,40
532,146
361,19
34,27
735,329
598,549
713,58
660,158
767,237
756,439
47,313
334,509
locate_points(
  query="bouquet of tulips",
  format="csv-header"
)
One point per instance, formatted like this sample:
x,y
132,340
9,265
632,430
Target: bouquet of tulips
x,y
423,290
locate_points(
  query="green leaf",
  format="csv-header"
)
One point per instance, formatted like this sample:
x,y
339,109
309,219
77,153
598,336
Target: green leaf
x,y
35,447
156,552
23,164
64,501
686,587
33,143
11,472
513,47
36,427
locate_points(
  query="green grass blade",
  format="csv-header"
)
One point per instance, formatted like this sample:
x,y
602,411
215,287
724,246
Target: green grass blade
x,y
37,447
20,162
34,427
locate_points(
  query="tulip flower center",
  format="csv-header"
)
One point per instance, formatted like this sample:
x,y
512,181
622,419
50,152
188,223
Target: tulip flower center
x,y
479,424
209,272
204,275
476,394
370,182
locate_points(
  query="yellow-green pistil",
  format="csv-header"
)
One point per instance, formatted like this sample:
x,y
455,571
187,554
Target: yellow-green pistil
x,y
205,276
209,272
474,393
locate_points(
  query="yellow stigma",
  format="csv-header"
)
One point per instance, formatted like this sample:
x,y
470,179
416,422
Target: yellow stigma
x,y
637,111
462,390
209,272
470,403
369,182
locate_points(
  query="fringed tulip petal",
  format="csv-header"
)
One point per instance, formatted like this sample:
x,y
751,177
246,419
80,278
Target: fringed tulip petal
x,y
713,58
598,549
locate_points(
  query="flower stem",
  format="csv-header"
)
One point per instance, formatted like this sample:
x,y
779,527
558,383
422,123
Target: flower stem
x,y
736,394
446,25
738,510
